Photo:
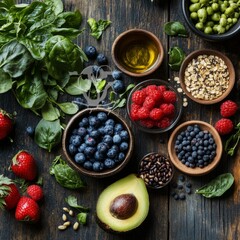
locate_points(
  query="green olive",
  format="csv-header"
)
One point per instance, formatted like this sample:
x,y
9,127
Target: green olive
x,y
194,7
234,20
216,17
229,11
229,20
194,1
209,11
199,25
194,16
210,24
208,30
220,29
202,14
223,22
215,6
236,15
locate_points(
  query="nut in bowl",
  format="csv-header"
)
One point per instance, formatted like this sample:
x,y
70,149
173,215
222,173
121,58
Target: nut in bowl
x,y
212,20
154,106
156,170
97,142
137,52
195,148
207,76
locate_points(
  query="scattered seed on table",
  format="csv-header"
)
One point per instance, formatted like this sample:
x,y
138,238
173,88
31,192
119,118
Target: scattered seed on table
x,y
66,209
64,217
75,226
62,227
71,213
68,223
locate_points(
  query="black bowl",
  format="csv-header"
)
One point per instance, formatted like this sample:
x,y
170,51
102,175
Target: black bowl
x,y
232,32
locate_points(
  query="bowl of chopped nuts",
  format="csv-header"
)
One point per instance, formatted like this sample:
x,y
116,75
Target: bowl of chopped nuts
x,y
207,76
156,170
154,106
195,147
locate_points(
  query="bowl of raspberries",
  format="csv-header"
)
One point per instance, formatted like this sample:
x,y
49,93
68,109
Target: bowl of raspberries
x,y
97,142
154,106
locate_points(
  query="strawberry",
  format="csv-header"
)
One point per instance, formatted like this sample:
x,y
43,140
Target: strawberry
x,y
224,126
228,108
24,166
6,124
27,210
9,194
35,192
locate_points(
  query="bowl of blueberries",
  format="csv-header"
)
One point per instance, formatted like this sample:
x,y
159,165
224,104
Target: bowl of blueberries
x,y
195,147
97,142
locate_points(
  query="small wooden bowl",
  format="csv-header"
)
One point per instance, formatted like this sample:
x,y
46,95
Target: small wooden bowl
x,y
197,171
73,123
194,55
130,38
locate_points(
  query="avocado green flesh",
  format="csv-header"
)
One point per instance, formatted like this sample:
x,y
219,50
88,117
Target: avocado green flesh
x,y
128,185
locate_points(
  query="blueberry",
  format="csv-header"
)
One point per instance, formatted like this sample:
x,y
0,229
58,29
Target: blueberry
x,y
182,196
72,149
188,190
89,151
91,52
121,157
90,129
94,134
102,147
180,186
107,139
188,184
84,122
82,131
109,130
76,140
109,163
90,141
88,165
102,116
82,147
117,75
118,86
81,102
190,128
96,70
97,166
117,139
30,131
118,127
102,59
80,158
110,122
101,130
123,146
112,153
124,135
94,121
99,156
176,196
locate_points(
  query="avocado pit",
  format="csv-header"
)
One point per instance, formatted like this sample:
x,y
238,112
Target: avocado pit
x,y
123,206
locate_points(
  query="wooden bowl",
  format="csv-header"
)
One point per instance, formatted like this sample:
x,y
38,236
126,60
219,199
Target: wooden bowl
x,y
73,124
129,44
208,52
197,171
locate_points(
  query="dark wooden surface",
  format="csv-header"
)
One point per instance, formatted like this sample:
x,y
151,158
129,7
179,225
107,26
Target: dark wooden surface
x,y
196,218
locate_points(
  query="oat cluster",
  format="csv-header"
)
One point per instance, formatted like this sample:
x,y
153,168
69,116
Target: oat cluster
x,y
206,77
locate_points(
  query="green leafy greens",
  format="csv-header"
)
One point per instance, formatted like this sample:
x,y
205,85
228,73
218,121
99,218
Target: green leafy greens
x,y
176,57
97,27
65,175
217,187
175,29
37,54
233,141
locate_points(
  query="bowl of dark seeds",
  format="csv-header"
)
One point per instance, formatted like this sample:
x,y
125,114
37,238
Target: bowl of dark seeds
x,y
195,147
156,170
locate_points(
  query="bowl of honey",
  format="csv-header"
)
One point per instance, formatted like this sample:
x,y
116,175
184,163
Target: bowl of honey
x,y
137,52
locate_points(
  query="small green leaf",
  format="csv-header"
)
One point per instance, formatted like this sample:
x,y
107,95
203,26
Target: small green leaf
x,y
82,218
5,81
78,86
69,107
176,57
97,27
175,29
49,112
72,202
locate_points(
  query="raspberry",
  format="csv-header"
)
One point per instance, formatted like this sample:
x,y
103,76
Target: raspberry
x,y
156,114
148,123
134,111
164,123
162,88
228,108
35,192
143,113
156,95
149,103
169,96
138,97
150,88
224,126
168,109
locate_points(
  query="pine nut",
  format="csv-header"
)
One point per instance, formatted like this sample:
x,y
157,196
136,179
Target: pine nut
x,y
71,213
64,217
62,227
68,223
66,209
75,226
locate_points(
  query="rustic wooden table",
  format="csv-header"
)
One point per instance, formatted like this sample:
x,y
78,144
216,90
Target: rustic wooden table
x,y
195,218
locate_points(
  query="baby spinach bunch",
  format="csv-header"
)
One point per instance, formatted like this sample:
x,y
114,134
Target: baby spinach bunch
x,y
37,52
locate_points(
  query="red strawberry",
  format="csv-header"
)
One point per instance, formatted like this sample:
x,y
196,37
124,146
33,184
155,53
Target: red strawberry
x,y
228,108
27,210
6,124
35,192
169,96
9,194
224,126
24,166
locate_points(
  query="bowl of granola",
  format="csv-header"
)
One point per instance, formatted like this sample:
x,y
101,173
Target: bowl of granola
x,y
207,76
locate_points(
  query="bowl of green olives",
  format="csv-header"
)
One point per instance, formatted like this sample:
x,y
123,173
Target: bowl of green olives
x,y
213,20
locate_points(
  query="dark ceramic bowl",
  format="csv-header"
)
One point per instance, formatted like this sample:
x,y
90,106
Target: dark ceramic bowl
x,y
231,33
196,171
74,124
127,41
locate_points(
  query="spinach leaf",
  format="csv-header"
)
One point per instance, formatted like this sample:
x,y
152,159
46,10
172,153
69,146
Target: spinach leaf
x,y
71,19
5,82
78,86
68,107
48,134
233,141
97,27
72,202
217,187
176,57
82,218
55,5
49,112
65,175
175,29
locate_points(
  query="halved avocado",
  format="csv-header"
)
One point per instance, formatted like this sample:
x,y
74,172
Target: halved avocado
x,y
123,205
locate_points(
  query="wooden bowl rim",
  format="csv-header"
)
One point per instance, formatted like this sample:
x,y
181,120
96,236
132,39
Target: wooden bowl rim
x,y
77,167
195,171
227,61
